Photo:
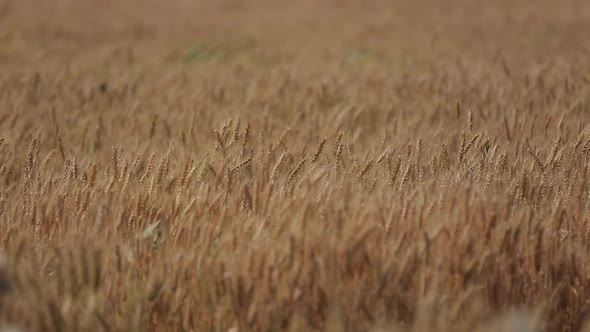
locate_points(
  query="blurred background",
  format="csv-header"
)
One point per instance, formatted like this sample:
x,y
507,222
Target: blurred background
x,y
263,32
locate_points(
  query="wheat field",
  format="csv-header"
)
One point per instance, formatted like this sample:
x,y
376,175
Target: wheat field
x,y
337,165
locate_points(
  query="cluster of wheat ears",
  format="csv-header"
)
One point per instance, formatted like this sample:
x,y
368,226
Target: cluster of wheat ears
x,y
434,181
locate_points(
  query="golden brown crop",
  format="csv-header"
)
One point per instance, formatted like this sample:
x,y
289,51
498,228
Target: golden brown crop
x,y
304,166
